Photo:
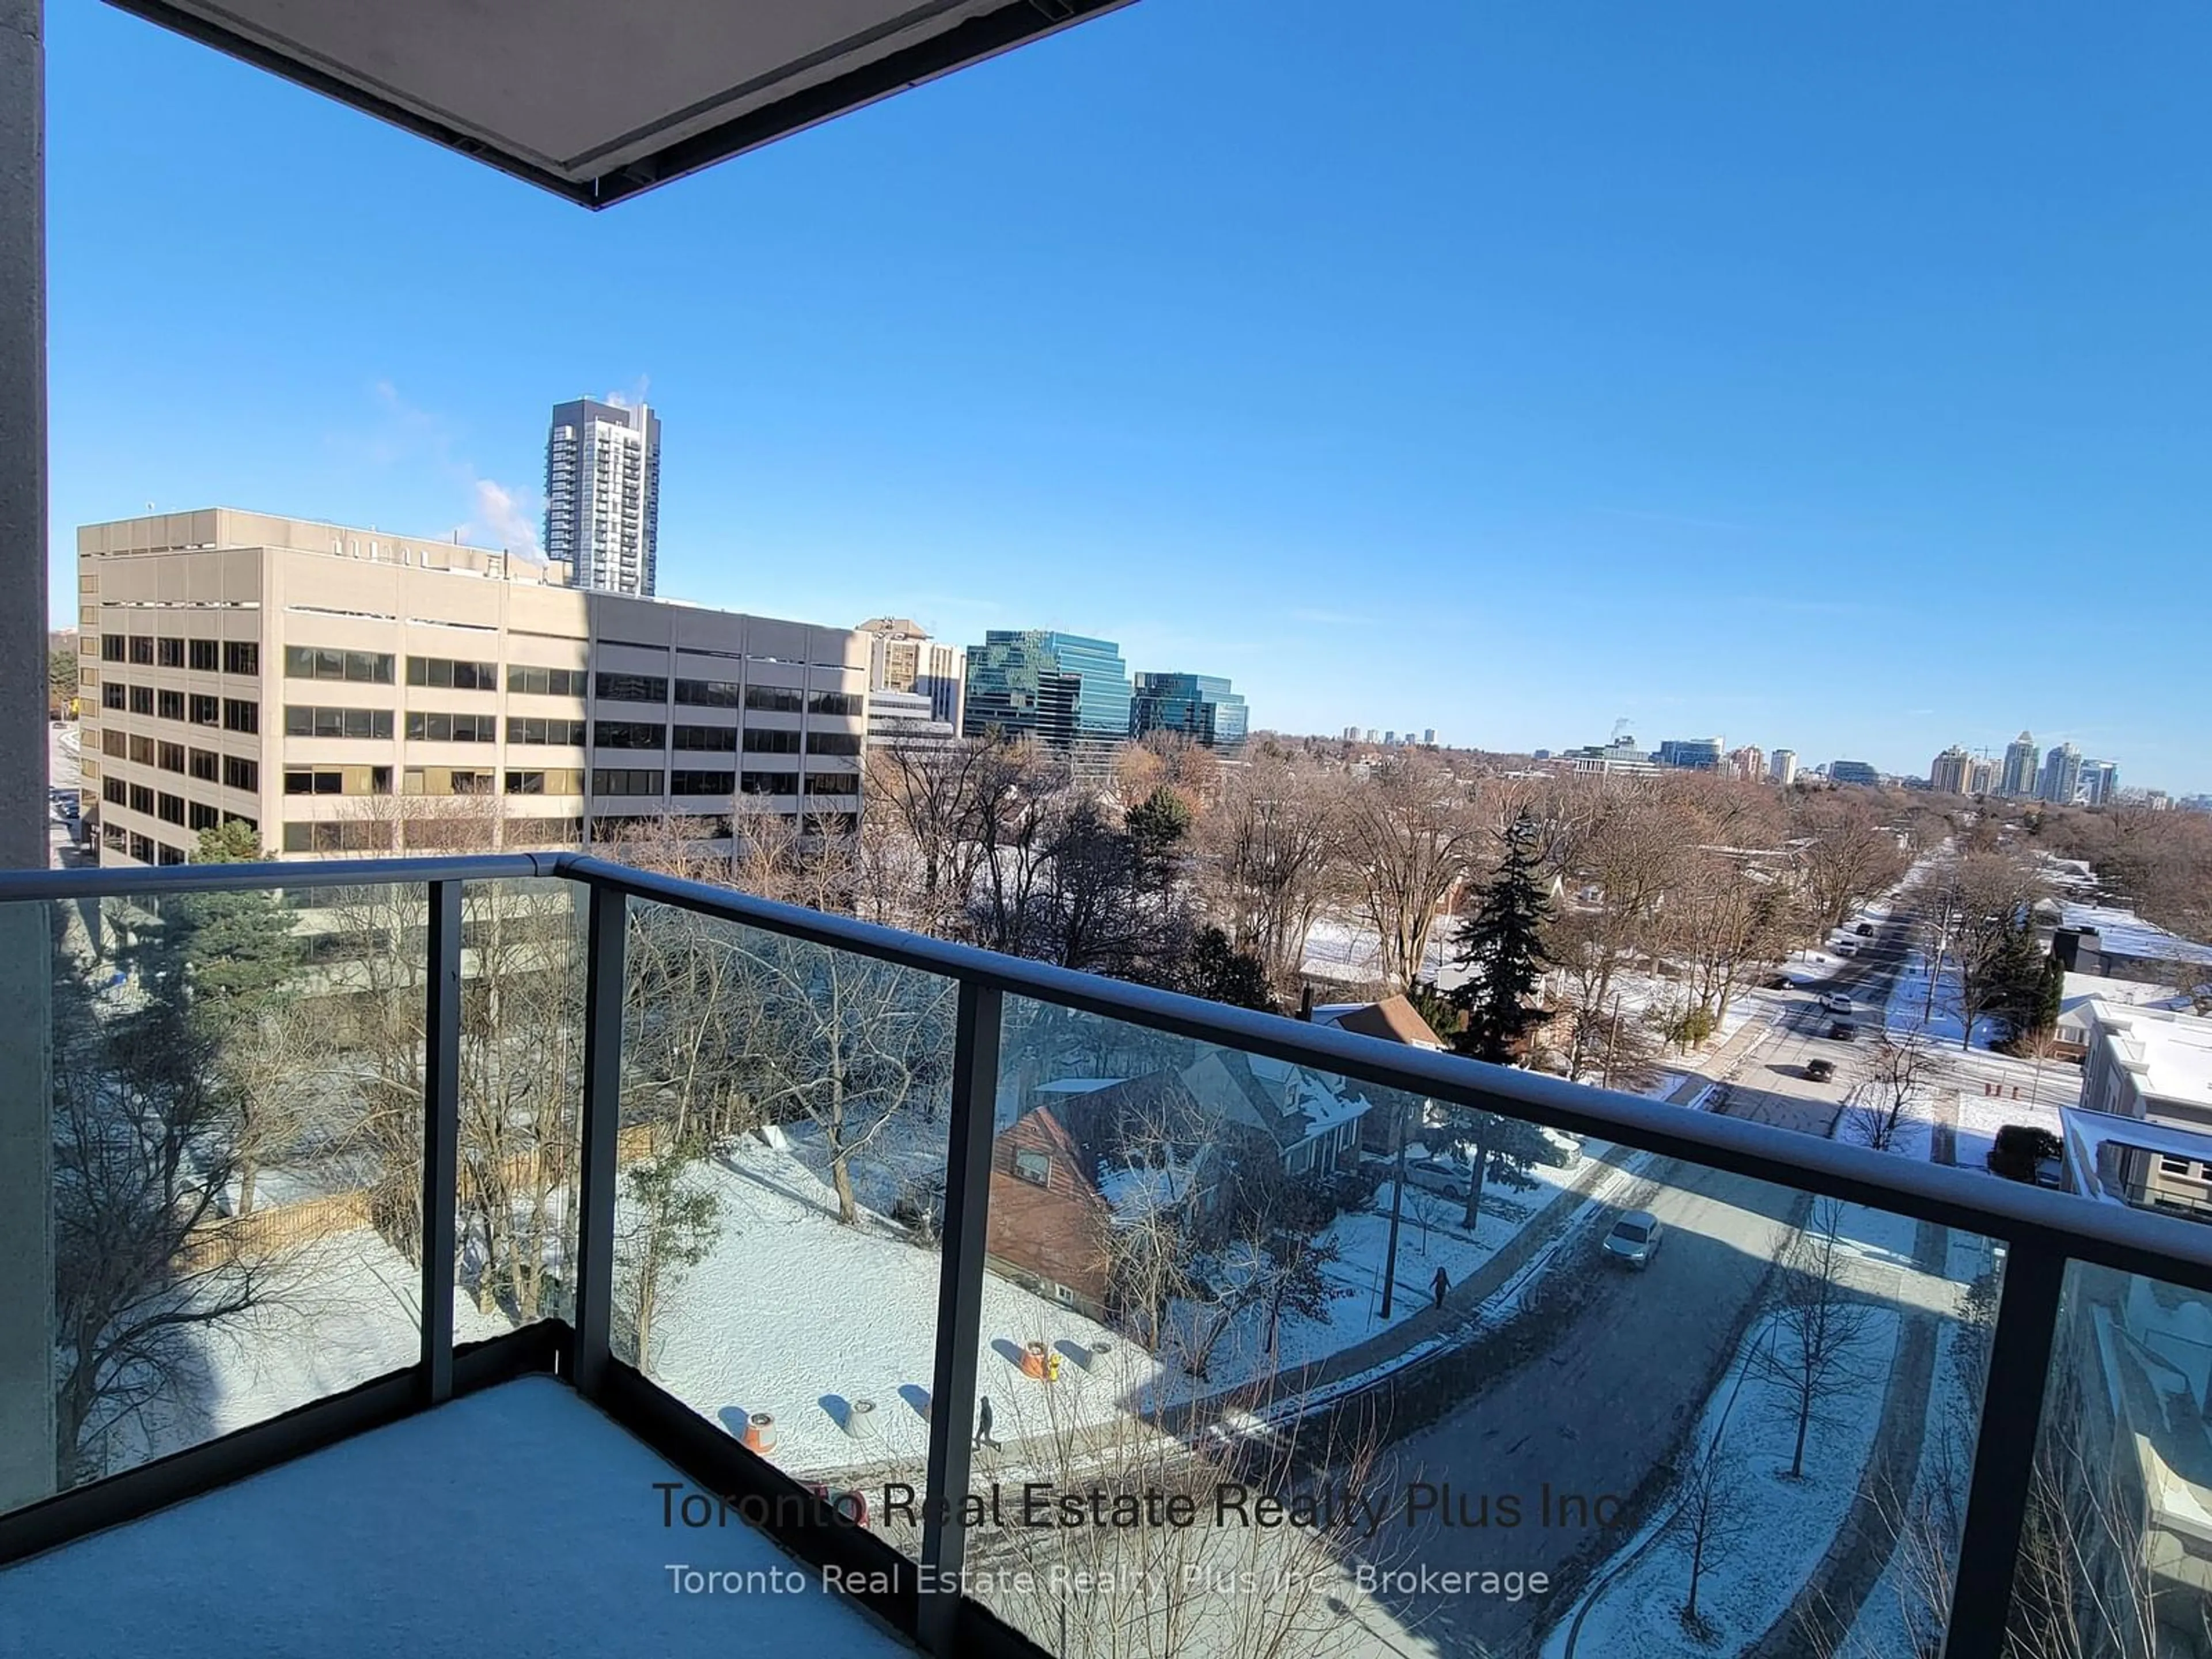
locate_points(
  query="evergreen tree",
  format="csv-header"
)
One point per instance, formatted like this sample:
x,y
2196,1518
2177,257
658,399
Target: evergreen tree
x,y
1435,1008
1217,970
2021,979
1502,948
241,949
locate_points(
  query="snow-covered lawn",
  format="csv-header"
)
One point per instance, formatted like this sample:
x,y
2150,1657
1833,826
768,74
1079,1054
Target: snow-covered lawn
x,y
1430,1237
1941,1020
334,1313
1348,950
792,1314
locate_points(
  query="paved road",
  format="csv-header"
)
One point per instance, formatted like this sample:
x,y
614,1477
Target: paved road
x,y
1591,1417
65,850
1603,1407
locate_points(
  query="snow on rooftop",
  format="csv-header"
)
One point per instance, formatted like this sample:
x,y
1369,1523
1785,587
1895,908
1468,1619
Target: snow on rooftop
x,y
2169,1052
2081,989
2121,932
515,1521
1133,1192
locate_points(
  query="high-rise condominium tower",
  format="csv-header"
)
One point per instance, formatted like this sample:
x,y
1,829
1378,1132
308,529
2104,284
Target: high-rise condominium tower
x,y
1948,774
603,494
2022,760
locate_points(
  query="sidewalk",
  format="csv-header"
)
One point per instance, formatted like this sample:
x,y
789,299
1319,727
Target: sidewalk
x,y
1829,1605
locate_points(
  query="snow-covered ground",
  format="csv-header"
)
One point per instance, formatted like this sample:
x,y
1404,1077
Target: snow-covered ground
x,y
1940,1019
792,1314
1348,951
1980,1117
1783,1525
1429,1238
335,1313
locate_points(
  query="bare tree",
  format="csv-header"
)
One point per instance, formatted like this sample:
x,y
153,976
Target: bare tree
x,y
1844,855
1273,853
1412,837
1015,818
146,1142
1903,1068
845,1042
1822,1324
1991,898
1731,921
1187,1572
1713,1520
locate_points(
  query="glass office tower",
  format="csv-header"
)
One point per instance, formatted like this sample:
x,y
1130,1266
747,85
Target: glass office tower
x,y
1070,693
1202,707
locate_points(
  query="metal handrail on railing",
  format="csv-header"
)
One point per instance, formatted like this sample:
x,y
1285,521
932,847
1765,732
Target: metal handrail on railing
x,y
2043,1230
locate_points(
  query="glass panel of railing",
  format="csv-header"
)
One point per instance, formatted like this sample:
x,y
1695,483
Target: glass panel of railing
x,y
521,1105
2115,1550
237,1150
782,1149
1280,1363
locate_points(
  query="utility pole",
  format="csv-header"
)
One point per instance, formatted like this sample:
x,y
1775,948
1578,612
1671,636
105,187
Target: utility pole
x,y
1397,1209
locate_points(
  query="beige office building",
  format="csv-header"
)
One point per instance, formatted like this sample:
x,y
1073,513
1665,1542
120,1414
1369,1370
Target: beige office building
x,y
902,657
350,691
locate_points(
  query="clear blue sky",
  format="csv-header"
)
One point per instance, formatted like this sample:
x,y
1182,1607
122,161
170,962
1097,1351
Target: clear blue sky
x,y
1838,377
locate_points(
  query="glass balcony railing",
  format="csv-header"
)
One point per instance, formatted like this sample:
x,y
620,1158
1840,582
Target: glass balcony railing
x,y
1042,1311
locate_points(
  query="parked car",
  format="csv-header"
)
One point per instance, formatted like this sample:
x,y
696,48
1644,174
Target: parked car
x,y
1820,1070
1437,1175
1843,1031
1864,930
1847,949
1634,1239
1836,1002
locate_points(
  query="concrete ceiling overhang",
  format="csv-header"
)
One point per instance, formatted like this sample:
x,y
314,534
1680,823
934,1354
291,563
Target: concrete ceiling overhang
x,y
598,100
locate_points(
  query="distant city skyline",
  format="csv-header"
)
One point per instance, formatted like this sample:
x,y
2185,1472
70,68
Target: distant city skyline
x,y
1529,320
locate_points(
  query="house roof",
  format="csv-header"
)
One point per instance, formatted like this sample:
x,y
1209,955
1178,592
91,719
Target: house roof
x,y
1393,1019
598,102
1286,1102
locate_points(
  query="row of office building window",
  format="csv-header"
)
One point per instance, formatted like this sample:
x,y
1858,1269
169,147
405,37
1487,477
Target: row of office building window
x,y
428,781
425,725
233,771
726,694
169,651
438,673
649,781
312,662
161,804
193,709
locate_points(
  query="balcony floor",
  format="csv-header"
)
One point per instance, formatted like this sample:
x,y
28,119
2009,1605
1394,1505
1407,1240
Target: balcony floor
x,y
518,1520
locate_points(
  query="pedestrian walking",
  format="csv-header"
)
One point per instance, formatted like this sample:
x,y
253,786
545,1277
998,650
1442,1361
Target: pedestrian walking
x,y
983,1424
1440,1284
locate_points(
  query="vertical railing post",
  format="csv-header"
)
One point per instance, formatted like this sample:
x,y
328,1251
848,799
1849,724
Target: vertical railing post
x,y
595,1220
2005,1450
960,1309
441,1136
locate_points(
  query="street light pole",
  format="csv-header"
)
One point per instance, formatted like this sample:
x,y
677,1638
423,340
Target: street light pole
x,y
1397,1208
